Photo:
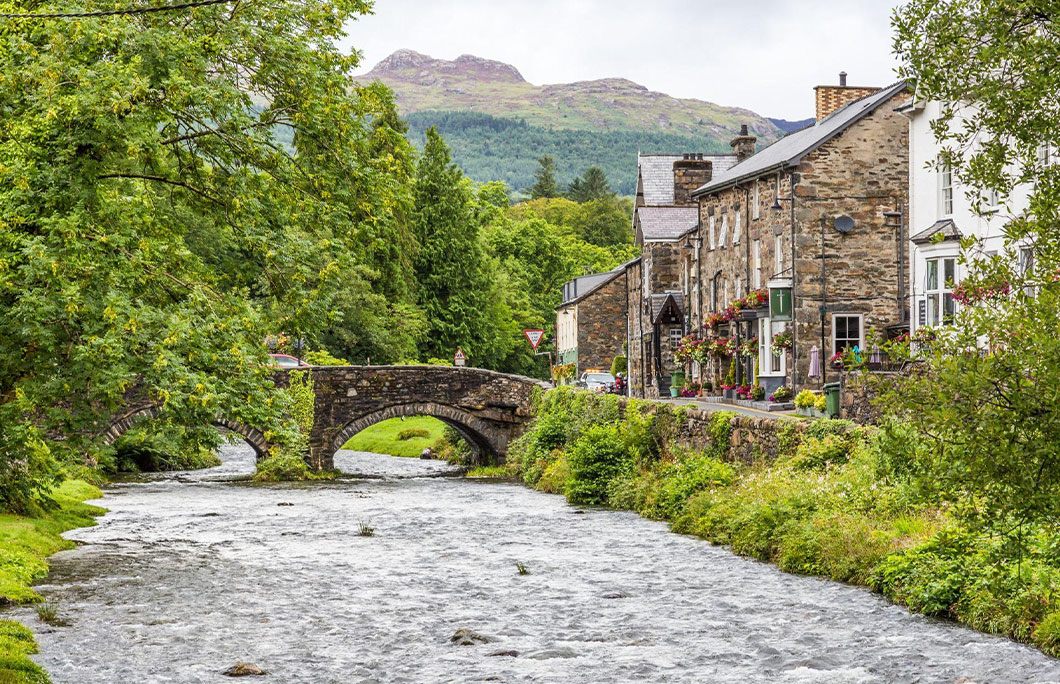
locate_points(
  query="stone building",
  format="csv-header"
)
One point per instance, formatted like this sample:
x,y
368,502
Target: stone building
x,y
816,215
590,323
664,212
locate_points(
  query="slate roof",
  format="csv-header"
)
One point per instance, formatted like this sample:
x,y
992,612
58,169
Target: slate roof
x,y
578,289
666,223
945,227
658,304
657,174
790,149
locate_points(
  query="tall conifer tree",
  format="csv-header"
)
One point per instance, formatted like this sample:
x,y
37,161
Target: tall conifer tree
x,y
545,185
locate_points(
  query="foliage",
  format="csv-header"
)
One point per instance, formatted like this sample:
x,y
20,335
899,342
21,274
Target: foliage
x,y
781,394
805,399
153,231
159,447
595,459
563,373
986,395
323,358
545,179
508,149
456,285
413,433
285,465
488,473
591,185
619,365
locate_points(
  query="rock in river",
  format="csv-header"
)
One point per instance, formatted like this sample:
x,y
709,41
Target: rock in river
x,y
243,670
467,637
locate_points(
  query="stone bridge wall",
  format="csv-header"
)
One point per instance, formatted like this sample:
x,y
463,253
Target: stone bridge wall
x,y
488,409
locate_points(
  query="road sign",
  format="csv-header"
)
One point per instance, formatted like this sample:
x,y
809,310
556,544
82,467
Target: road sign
x,y
460,358
534,337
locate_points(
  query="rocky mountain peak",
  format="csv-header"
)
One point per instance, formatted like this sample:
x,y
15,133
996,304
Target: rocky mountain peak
x,y
409,65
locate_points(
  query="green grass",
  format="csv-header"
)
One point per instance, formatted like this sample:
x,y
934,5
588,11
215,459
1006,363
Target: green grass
x,y
25,544
490,473
385,437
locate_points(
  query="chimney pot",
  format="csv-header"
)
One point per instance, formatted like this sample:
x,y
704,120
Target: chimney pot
x,y
843,79
743,129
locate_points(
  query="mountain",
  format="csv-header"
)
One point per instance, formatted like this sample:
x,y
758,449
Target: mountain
x,y
792,126
498,124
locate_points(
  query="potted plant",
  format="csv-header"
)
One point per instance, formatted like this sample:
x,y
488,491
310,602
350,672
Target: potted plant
x,y
758,393
782,342
805,402
820,406
780,395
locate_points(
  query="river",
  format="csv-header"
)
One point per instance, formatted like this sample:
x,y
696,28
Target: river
x,y
190,572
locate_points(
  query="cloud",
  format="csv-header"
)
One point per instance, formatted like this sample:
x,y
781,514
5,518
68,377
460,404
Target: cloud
x,y
764,55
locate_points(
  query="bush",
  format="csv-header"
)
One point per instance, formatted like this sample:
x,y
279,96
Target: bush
x,y
283,466
413,433
1047,634
805,399
596,458
821,403
619,365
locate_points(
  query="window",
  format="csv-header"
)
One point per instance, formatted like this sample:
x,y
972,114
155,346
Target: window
x,y
756,202
757,272
724,230
992,200
778,255
946,190
846,332
727,300
711,236
736,228
770,363
1026,265
675,338
739,287
938,289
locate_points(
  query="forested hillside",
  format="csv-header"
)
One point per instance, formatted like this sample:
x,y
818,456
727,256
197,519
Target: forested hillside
x,y
493,148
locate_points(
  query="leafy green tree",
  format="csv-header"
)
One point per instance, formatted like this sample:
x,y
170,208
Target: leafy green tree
x,y
456,291
606,222
592,185
987,396
154,231
545,179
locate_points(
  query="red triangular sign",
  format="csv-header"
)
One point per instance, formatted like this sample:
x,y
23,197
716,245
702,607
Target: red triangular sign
x,y
534,337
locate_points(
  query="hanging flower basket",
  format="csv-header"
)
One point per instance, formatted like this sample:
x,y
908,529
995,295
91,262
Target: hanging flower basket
x,y
783,341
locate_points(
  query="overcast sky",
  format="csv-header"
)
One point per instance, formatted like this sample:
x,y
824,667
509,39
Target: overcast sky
x,y
765,55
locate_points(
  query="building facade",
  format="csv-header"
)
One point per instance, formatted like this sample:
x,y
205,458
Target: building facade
x,y
818,216
590,323
941,214
665,211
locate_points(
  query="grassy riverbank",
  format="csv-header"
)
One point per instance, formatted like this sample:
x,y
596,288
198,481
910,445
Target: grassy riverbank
x,y
838,501
25,544
406,437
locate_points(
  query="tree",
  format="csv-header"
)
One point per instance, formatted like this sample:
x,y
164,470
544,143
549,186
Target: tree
x,y
456,290
987,396
592,185
545,179
154,230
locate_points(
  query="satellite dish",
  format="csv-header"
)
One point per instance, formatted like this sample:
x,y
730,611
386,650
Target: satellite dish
x,y
844,224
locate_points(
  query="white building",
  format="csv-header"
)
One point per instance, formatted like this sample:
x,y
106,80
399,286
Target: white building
x,y
941,213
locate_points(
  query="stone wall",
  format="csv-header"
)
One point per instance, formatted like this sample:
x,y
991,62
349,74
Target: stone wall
x,y
602,325
635,352
488,409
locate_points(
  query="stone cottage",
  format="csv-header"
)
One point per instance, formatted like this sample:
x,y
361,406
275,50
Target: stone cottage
x,y
590,323
814,219
665,211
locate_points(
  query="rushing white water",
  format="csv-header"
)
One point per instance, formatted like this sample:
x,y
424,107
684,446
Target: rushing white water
x,y
189,573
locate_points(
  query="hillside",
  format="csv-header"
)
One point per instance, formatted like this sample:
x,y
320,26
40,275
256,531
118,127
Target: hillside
x,y
603,122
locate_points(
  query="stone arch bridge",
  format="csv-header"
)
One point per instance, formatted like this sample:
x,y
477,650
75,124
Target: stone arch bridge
x,y
487,409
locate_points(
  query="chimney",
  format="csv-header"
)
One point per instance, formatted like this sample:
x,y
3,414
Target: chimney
x,y
690,173
833,98
744,144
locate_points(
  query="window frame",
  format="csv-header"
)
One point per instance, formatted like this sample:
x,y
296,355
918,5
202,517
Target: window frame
x,y
675,341
711,231
945,191
939,293
736,228
723,237
778,255
835,330
756,202
757,256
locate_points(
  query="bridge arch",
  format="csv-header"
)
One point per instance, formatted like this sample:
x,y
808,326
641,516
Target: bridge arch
x,y
252,436
485,439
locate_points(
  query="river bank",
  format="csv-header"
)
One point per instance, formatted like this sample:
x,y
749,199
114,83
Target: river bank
x,y
26,542
834,500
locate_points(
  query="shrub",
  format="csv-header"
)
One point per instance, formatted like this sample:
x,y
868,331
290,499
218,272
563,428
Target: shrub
x,y
595,459
1047,634
819,452
619,365
413,433
556,476
821,403
689,474
284,465
929,578
805,399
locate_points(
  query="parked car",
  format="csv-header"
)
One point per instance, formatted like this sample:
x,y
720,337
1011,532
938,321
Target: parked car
x,y
286,361
597,381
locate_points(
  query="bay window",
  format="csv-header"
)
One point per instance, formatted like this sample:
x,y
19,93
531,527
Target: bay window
x,y
938,289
